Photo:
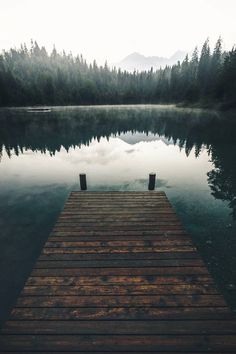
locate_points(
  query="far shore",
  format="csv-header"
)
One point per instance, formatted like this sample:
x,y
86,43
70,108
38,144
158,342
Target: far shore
x,y
183,105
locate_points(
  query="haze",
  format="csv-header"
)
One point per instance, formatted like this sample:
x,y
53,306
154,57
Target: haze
x,y
111,29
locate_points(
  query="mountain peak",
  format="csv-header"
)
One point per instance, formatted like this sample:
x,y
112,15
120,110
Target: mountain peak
x,y
139,62
178,55
135,55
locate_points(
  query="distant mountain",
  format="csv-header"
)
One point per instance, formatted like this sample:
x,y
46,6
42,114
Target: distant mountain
x,y
136,138
139,62
177,56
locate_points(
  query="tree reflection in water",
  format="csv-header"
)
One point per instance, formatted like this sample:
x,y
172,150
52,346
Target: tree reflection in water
x,y
71,127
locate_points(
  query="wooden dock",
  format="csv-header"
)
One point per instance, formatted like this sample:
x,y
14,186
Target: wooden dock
x,y
119,274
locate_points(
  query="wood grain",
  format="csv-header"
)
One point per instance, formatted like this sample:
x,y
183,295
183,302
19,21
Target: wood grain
x,y
119,274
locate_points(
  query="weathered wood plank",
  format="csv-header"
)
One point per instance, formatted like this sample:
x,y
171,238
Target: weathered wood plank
x,y
118,352
165,256
116,233
103,221
124,243
61,290
127,280
110,229
122,313
113,193
174,239
121,327
120,204
122,342
129,212
119,274
129,260
156,271
96,250
129,225
60,261
126,212
149,300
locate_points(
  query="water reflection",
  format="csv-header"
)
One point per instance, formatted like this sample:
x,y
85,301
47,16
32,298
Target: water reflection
x,y
222,179
193,153
66,128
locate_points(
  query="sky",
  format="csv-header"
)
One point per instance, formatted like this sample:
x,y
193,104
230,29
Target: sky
x,y
112,29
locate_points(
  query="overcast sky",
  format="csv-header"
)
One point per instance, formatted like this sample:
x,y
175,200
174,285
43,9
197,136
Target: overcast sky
x,y
112,29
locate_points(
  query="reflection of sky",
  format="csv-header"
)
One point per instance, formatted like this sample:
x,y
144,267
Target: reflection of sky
x,y
121,159
137,137
34,187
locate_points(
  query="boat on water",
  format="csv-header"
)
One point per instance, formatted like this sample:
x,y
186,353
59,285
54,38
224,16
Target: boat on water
x,y
39,110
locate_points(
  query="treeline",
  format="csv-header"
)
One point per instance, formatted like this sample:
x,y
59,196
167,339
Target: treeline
x,y
31,76
191,130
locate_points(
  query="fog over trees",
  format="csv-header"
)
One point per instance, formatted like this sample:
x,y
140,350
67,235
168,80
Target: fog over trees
x,y
32,76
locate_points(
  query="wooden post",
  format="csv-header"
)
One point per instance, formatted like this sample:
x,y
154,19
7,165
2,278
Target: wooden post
x,y
83,182
152,181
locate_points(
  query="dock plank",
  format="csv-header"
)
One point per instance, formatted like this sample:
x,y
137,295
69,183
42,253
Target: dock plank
x,y
119,274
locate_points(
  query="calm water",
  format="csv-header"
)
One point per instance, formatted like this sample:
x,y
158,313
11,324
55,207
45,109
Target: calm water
x,y
42,154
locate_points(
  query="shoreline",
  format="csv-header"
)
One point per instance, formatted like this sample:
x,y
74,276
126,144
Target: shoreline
x,y
206,106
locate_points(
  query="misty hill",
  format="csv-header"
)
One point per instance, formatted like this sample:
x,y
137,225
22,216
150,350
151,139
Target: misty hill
x,y
139,62
32,76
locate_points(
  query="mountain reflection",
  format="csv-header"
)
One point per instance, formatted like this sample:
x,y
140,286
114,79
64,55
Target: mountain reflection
x,y
71,127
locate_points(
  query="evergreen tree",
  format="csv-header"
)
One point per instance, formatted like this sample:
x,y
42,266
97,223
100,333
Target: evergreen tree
x,y
193,90
215,69
227,80
32,76
203,69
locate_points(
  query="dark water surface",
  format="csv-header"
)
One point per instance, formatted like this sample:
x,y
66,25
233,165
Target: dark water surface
x,y
193,153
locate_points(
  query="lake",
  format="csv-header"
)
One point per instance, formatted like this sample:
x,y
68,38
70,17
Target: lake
x,y
193,153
